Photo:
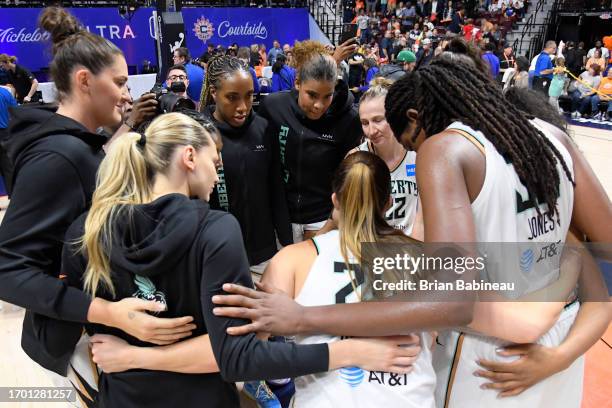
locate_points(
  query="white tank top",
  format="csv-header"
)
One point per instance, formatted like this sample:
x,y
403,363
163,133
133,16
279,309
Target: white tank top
x,y
502,215
404,191
329,283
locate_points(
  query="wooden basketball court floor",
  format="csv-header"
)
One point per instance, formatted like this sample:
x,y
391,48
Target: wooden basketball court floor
x,y
17,370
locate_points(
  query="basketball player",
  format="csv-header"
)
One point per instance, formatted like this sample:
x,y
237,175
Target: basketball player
x,y
401,163
250,185
316,126
448,112
319,272
142,228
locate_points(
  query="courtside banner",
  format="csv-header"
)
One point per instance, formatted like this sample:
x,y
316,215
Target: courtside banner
x,y
20,35
243,26
485,272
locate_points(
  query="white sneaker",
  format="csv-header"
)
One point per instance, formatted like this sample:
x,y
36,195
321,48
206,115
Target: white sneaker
x,y
575,115
597,116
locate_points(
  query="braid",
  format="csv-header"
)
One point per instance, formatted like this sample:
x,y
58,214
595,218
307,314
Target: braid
x,y
219,67
448,91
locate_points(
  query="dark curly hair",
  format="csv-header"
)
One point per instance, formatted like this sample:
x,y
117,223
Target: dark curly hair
x,y
446,91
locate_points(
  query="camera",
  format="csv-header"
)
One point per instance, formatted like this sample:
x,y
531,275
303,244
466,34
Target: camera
x,y
169,100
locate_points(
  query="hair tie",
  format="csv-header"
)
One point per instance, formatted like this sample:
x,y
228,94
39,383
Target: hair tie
x,y
142,141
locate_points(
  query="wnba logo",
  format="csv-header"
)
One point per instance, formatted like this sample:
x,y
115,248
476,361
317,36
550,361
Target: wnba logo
x,y
353,376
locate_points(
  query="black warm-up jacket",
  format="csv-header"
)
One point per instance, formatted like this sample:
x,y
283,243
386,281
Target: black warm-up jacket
x,y
56,162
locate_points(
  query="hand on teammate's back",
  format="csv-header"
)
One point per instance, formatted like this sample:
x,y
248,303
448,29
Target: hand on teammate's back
x,y
130,315
394,354
269,309
535,363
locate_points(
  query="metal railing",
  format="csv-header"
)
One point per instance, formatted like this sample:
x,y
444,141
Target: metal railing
x,y
547,30
529,27
327,14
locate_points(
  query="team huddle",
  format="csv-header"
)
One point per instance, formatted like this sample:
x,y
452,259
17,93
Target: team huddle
x,y
139,272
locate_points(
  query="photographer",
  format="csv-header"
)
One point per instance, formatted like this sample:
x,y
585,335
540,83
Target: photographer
x,y
177,80
22,80
195,73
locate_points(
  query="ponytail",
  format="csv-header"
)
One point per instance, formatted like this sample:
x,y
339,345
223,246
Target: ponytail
x,y
122,181
125,178
363,186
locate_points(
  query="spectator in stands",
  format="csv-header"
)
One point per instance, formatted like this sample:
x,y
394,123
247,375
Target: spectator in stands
x,y
457,20
584,91
371,68
244,54
383,7
414,35
519,8
604,52
289,55
425,54
362,21
356,70
177,73
426,33
386,45
573,59
195,73
263,55
274,52
399,11
491,59
596,59
255,58
506,61
604,95
392,4
520,77
370,6
22,80
210,52
557,86
283,76
543,72
447,16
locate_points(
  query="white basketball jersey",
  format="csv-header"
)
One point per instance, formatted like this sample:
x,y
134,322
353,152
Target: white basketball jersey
x,y
404,191
327,283
502,214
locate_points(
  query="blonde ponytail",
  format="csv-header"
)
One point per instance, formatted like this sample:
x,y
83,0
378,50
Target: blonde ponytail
x,y
125,179
122,180
362,185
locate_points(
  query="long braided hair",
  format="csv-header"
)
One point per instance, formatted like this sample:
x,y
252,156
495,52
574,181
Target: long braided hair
x,y
447,91
219,67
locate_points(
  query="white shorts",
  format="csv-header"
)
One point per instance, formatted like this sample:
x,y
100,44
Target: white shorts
x,y
458,387
82,375
298,229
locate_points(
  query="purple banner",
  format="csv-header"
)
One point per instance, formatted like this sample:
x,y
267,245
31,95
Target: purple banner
x,y
20,36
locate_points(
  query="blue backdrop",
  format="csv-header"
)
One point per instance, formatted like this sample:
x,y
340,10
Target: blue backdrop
x,y
244,26
20,36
